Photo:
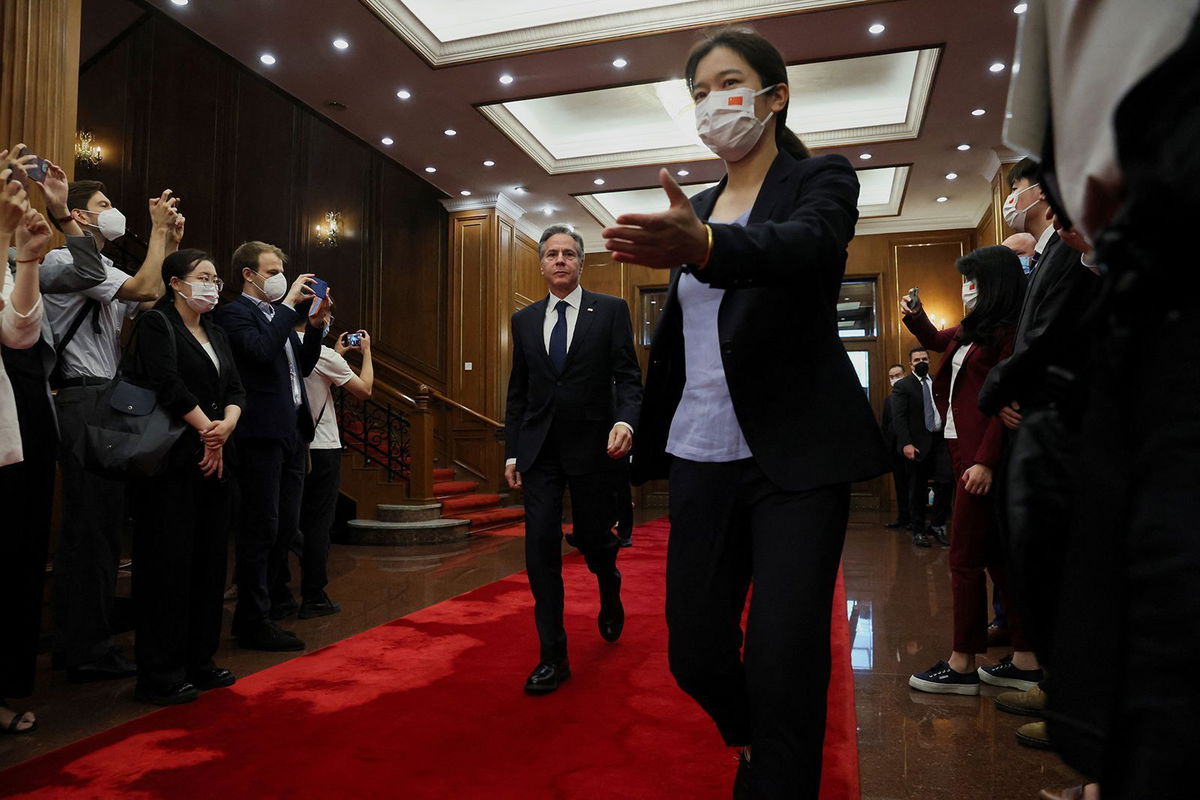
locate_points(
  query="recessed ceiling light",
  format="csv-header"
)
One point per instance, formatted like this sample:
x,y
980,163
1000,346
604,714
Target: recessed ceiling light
x,y
267,59
450,132
489,163
979,112
180,2
620,63
877,28
404,94
683,173
599,181
340,44
1020,8
951,176
520,189
465,193
943,199
865,156
388,140
507,79
547,211
431,169
964,147
997,67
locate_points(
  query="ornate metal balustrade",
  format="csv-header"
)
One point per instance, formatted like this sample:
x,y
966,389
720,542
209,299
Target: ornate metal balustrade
x,y
379,432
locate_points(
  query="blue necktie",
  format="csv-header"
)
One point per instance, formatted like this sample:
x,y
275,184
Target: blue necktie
x,y
930,416
558,338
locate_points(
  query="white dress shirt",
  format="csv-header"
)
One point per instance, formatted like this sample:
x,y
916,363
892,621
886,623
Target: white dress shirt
x,y
960,355
1040,247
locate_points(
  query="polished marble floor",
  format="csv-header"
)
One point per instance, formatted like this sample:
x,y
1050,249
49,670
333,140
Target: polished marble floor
x,y
911,745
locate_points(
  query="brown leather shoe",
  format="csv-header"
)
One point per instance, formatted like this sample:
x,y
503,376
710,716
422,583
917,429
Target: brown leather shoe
x,y
1034,734
1029,703
1070,793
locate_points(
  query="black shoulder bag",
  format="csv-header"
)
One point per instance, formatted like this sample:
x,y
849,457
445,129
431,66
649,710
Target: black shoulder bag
x,y
129,434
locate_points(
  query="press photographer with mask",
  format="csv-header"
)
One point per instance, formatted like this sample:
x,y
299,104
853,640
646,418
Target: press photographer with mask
x,y
181,516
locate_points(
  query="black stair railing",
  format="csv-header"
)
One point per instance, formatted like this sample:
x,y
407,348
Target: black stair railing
x,y
379,432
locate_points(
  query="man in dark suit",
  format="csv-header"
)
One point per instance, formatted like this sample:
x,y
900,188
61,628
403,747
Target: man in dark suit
x,y
573,399
272,437
918,429
899,463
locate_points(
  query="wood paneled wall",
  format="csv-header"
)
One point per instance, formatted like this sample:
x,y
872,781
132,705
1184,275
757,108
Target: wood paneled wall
x,y
250,162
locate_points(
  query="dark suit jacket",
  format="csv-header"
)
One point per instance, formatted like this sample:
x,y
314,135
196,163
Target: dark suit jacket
x,y
183,376
1061,289
978,434
887,426
908,417
258,350
795,393
600,384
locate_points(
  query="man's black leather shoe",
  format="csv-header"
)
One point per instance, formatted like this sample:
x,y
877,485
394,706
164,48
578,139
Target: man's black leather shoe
x,y
269,637
899,523
920,539
211,678
939,533
173,695
112,667
612,614
322,607
545,678
284,609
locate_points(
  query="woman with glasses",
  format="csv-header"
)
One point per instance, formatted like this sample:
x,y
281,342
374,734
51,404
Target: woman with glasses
x,y
182,519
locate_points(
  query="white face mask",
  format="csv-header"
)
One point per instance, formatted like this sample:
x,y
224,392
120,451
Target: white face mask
x,y
1015,217
110,222
893,381
274,287
970,294
727,124
204,296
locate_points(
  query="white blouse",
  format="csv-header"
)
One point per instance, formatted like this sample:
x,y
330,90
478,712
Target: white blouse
x,y
20,332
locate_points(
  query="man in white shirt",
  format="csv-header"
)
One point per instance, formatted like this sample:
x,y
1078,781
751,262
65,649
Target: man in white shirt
x,y
321,485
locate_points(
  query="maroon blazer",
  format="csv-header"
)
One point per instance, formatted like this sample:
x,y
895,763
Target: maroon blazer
x,y
978,434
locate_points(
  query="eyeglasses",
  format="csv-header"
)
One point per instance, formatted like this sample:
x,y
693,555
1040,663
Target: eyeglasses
x,y
205,279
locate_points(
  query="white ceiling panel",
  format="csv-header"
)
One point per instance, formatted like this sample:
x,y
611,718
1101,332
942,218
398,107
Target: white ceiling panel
x,y
836,102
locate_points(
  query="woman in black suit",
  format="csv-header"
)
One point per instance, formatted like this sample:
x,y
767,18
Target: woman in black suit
x,y
182,520
753,409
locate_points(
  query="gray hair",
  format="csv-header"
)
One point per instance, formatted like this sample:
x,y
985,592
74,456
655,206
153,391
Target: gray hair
x,y
558,228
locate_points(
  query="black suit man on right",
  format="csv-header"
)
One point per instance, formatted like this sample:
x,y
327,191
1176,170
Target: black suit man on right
x,y
573,400
918,430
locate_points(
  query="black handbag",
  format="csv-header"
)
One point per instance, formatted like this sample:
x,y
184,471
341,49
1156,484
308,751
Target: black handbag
x,y
128,434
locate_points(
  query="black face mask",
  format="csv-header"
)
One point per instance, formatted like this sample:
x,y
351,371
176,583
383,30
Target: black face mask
x,y
921,369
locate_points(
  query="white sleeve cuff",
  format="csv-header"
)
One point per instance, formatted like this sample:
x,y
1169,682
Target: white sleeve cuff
x,y
510,462
626,424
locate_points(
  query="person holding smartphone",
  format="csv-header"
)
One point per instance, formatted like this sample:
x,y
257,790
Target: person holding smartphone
x,y
754,411
319,502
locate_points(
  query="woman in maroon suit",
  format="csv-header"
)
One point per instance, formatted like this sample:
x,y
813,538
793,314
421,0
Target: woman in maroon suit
x,y
993,289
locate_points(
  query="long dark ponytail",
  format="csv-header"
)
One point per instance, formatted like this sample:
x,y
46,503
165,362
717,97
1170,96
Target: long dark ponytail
x,y
765,60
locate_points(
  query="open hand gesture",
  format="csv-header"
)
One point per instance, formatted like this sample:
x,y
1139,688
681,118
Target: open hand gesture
x,y
666,239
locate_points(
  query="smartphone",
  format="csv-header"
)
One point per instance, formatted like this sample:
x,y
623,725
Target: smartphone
x,y
319,288
38,169
352,339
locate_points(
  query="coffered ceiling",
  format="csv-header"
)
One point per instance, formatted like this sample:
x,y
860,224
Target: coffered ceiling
x,y
568,108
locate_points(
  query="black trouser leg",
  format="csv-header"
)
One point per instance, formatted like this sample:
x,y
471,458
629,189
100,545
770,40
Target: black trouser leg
x,y
624,505
89,544
210,553
261,463
26,495
317,511
593,508
918,493
291,493
543,485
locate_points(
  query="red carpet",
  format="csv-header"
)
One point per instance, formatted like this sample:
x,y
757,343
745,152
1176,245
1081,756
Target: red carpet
x,y
430,706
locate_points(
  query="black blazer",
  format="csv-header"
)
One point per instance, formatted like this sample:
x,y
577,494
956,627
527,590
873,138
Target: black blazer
x,y
258,350
887,426
908,416
795,393
183,377
601,384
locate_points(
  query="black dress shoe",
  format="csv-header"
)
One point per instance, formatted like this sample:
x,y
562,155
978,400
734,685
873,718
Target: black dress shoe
x,y
211,678
321,607
112,667
939,533
173,695
899,523
269,637
741,781
283,609
625,539
611,620
921,539
545,678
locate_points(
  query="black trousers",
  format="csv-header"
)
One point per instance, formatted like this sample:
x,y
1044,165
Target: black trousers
x,y
26,495
180,536
624,506
89,544
271,477
730,525
317,510
900,479
935,468
593,510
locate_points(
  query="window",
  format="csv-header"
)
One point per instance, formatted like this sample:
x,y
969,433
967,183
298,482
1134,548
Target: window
x,y
652,301
856,312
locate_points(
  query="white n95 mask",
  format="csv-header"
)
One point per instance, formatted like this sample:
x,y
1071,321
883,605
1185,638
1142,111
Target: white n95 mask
x,y
110,222
726,122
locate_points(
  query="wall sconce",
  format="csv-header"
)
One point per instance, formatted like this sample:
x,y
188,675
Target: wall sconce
x,y
327,235
85,152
